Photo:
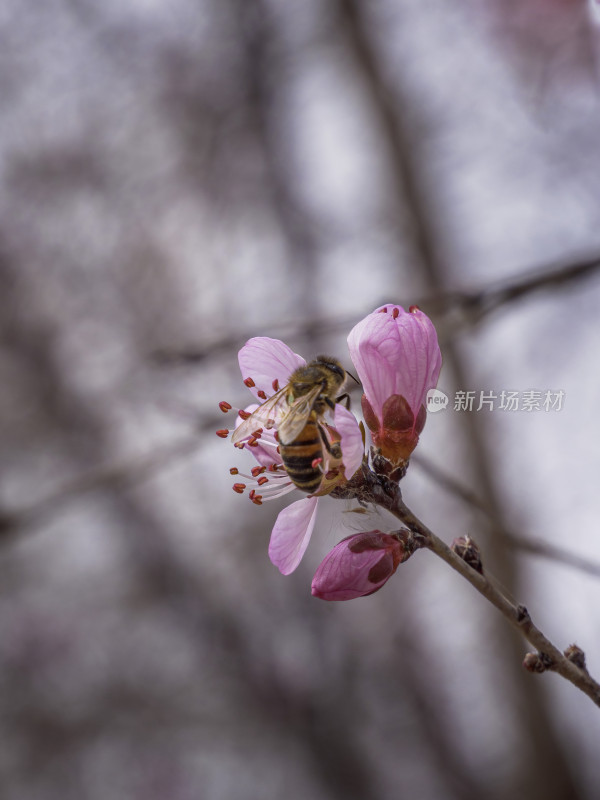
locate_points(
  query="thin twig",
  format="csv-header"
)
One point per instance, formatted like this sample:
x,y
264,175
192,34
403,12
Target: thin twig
x,y
369,487
518,616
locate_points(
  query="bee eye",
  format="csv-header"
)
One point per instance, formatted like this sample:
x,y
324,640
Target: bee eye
x,y
333,366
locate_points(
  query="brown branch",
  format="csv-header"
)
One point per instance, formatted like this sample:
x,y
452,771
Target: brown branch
x,y
518,616
369,487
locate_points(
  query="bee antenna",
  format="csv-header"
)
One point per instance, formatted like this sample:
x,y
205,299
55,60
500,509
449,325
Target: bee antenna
x,y
353,378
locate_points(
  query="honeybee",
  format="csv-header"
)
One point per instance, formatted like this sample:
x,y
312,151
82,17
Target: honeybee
x,y
297,412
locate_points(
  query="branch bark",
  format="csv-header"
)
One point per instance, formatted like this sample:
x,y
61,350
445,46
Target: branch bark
x,y
517,615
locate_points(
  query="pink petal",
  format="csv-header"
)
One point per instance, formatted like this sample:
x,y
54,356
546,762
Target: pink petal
x,y
265,360
264,454
366,339
357,566
396,355
291,534
352,444
419,359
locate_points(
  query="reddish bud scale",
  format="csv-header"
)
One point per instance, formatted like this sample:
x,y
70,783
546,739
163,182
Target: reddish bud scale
x,y
372,540
576,655
261,394
225,406
222,433
239,487
397,434
534,663
249,383
383,569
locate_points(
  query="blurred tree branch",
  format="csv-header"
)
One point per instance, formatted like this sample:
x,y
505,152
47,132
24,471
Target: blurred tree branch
x,y
129,473
456,309
117,476
397,111
526,544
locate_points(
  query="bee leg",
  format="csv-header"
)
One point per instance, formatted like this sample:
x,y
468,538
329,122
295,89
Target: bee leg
x,y
344,399
334,449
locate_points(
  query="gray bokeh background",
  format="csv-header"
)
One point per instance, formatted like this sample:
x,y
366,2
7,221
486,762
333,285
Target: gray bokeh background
x,y
178,177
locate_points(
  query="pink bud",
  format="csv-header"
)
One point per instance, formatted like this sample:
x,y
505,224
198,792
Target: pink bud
x,y
398,360
357,566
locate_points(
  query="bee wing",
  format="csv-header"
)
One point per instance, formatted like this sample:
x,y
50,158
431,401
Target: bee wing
x,y
266,415
292,423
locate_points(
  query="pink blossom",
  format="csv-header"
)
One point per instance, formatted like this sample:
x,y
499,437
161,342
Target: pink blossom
x,y
398,360
264,360
357,566
266,364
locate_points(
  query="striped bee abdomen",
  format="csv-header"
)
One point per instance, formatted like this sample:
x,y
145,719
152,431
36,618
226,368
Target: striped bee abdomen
x,y
298,457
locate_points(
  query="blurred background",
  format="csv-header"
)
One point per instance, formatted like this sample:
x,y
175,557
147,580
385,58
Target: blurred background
x,y
178,177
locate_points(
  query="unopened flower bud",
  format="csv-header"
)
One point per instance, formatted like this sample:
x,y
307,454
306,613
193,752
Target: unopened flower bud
x,y
358,566
397,357
576,655
465,548
537,662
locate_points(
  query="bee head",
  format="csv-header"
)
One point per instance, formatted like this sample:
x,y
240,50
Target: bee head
x,y
333,366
